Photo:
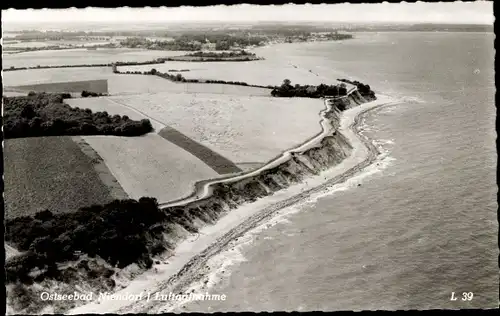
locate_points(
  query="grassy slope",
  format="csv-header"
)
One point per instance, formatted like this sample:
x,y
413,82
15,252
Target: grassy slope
x,y
49,172
150,165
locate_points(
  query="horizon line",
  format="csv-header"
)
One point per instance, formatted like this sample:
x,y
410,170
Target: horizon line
x,y
247,21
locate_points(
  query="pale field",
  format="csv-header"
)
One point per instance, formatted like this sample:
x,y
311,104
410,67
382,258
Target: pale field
x,y
53,43
161,39
258,72
241,128
8,33
26,44
80,56
13,94
121,83
117,84
36,76
150,166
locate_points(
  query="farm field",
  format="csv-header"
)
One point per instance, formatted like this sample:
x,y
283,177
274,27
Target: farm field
x,y
219,163
241,128
13,93
52,173
117,84
150,165
98,86
74,42
65,44
259,72
18,44
39,76
80,56
121,83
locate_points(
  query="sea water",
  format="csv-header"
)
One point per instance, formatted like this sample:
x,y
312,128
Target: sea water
x,y
419,233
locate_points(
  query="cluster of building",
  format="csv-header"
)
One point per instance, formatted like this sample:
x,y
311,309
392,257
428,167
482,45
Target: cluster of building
x,y
94,38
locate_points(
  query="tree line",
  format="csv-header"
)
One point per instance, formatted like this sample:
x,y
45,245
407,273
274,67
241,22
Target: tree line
x,y
180,78
211,59
222,54
89,94
154,72
44,114
118,63
308,91
139,42
121,232
194,41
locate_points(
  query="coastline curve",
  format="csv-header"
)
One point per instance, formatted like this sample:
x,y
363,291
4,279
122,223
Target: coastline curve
x,y
193,253
203,189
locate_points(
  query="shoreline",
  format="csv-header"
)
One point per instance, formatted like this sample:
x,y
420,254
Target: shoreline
x,y
192,254
150,62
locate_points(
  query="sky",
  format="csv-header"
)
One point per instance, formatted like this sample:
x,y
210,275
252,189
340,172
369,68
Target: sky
x,y
478,12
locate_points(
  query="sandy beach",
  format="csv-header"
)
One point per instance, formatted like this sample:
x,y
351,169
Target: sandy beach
x,y
192,254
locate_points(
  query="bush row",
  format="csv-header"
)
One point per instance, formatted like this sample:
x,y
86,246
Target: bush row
x,y
212,59
87,94
154,72
307,91
238,83
119,63
180,78
221,54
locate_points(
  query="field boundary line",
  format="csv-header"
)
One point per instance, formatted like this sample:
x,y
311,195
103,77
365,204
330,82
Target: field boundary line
x,y
137,111
284,156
